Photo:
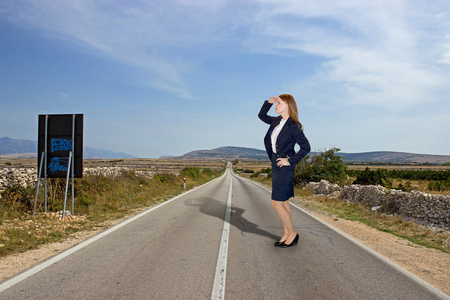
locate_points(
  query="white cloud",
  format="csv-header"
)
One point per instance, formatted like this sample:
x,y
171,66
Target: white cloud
x,y
133,35
375,50
379,53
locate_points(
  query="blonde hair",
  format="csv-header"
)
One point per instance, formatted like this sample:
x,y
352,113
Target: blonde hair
x,y
292,108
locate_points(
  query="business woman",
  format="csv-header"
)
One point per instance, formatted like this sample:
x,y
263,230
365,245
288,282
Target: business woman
x,y
284,132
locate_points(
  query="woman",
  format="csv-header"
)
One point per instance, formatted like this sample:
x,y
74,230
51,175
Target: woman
x,y
284,132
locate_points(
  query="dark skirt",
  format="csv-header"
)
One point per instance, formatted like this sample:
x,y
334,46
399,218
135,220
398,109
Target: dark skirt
x,y
282,181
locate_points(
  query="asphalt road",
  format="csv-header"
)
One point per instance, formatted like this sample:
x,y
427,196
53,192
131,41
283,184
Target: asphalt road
x,y
189,248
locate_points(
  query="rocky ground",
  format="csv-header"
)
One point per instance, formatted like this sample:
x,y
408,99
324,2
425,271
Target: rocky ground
x,y
429,264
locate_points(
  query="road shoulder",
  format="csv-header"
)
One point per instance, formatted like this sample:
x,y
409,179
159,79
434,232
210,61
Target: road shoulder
x,y
428,264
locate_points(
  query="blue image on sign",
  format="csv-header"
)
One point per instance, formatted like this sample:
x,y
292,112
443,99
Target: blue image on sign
x,y
61,145
58,164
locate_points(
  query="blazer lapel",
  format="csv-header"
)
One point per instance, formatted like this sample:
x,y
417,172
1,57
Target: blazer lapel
x,y
285,127
274,124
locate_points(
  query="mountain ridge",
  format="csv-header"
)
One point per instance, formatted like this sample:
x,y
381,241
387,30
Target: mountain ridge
x,y
19,148
230,152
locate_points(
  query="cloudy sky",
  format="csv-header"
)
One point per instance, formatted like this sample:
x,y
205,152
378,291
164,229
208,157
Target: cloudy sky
x,y
166,77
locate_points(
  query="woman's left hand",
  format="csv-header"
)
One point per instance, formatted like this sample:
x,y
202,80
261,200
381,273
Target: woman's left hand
x,y
283,162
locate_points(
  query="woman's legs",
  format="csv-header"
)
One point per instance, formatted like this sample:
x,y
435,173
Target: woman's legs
x,y
284,212
286,231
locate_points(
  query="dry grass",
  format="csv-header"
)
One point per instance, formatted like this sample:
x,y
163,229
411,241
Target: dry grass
x,y
412,231
28,233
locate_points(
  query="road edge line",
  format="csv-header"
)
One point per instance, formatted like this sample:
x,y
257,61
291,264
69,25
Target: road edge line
x,y
405,272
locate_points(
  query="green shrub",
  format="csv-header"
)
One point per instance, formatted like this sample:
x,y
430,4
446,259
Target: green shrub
x,y
19,196
377,177
208,172
267,171
439,185
406,187
15,201
163,177
192,172
327,165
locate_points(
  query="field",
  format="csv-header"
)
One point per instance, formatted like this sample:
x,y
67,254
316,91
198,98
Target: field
x,y
168,165
256,165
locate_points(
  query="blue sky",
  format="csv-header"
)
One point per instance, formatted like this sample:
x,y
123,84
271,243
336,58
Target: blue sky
x,y
157,78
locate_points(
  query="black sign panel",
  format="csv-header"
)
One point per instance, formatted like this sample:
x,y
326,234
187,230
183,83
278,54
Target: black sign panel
x,y
59,143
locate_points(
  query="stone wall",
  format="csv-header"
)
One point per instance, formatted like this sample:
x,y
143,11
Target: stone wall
x,y
17,176
426,209
115,171
28,176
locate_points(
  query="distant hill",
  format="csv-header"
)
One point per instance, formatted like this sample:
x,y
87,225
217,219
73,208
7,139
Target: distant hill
x,y
15,148
92,153
366,157
395,157
226,152
10,146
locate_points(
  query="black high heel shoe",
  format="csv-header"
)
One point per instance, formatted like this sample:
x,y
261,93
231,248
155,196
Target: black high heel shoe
x,y
294,242
278,244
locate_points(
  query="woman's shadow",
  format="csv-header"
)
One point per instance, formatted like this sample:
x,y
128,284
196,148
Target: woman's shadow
x,y
217,209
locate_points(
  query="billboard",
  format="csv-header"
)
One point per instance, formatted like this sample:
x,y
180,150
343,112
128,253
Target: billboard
x,y
57,135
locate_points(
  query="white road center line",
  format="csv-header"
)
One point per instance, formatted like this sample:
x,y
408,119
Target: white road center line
x,y
218,291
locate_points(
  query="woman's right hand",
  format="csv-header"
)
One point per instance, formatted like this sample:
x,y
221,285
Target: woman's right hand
x,y
273,99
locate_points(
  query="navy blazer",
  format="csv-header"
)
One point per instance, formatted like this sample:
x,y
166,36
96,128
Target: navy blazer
x,y
290,135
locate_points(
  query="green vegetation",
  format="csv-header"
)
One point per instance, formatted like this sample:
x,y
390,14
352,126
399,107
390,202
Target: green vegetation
x,y
327,165
437,180
410,174
98,199
377,177
191,172
248,171
267,171
208,172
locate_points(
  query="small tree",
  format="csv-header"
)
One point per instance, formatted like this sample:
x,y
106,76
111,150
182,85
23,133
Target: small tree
x,y
327,165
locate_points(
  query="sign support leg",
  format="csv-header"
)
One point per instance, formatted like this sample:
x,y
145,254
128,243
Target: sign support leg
x,y
73,164
39,180
67,185
46,163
